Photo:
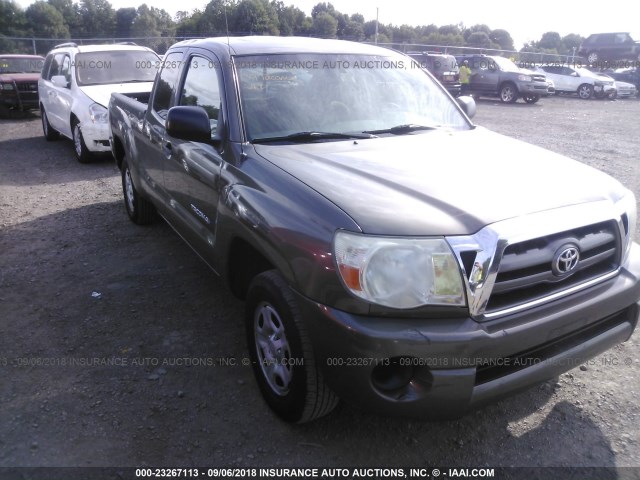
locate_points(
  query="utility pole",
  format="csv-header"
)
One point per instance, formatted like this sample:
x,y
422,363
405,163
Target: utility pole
x,y
376,37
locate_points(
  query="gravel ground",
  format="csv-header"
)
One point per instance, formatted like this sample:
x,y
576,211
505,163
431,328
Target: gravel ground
x,y
79,283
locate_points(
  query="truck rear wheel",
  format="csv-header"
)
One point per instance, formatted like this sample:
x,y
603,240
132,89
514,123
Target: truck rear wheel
x,y
140,210
281,352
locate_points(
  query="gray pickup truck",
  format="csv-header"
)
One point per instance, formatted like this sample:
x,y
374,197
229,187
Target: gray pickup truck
x,y
390,252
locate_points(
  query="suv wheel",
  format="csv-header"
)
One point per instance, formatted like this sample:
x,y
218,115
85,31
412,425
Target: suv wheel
x,y
585,91
49,133
508,93
531,98
593,57
82,153
281,352
140,210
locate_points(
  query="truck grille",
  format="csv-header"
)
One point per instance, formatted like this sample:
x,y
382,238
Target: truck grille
x,y
27,86
539,78
533,269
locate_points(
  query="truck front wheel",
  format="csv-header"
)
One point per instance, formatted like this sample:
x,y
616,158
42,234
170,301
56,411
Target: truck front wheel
x,y
140,210
508,93
82,152
281,352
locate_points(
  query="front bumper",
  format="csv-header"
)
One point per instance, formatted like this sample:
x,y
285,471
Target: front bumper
x,y
96,136
443,367
534,88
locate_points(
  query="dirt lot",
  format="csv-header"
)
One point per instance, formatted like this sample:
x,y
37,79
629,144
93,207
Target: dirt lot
x,y
79,283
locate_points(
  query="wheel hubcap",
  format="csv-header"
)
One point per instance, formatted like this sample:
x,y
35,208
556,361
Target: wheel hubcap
x,y
128,189
274,353
507,94
77,140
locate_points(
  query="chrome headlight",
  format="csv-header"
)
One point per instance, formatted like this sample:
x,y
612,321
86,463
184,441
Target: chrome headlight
x,y
98,113
524,78
399,272
628,210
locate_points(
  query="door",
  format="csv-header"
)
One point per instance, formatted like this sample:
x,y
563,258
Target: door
x,y
58,99
192,173
485,75
149,138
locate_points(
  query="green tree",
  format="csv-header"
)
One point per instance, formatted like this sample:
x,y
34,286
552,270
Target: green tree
x,y
571,41
153,22
550,41
292,20
13,23
215,18
324,25
124,21
98,18
45,21
256,16
479,39
502,38
71,15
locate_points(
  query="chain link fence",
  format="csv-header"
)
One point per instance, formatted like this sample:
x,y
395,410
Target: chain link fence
x,y
40,46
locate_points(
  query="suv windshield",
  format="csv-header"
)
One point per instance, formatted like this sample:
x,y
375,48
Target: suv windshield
x,y
117,66
505,64
284,95
21,65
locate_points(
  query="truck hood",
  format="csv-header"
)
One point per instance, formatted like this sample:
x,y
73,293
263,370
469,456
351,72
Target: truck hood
x,y
440,182
19,77
101,94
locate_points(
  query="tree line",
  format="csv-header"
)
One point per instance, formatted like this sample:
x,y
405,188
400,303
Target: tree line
x,y
65,19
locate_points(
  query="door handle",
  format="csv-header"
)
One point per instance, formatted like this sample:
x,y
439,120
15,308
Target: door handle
x,y
167,148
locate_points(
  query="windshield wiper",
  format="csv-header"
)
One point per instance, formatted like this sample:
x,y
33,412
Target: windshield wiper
x,y
401,129
304,137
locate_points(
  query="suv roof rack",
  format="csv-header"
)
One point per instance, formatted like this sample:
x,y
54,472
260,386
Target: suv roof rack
x,y
68,44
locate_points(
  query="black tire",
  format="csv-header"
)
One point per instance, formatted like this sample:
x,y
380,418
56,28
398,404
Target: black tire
x,y
281,352
50,134
585,91
79,147
140,210
531,98
508,93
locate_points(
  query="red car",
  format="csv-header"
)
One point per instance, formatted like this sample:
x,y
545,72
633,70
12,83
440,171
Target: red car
x,y
19,76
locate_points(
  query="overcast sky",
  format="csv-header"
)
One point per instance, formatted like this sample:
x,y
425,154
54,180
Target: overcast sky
x,y
525,21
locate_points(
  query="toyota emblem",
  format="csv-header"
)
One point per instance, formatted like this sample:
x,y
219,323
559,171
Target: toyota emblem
x,y
565,260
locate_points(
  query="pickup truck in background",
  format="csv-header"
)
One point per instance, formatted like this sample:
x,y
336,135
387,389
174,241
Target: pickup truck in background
x,y
390,252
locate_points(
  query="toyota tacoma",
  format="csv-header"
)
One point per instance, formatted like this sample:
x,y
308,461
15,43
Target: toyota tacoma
x,y
390,252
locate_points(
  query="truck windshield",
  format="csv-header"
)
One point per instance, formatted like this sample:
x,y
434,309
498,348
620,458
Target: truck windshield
x,y
117,66
21,65
282,95
505,64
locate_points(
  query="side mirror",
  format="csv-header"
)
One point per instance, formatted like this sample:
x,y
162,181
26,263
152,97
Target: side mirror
x,y
468,105
60,81
189,123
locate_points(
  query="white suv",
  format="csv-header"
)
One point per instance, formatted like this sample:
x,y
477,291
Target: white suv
x,y
76,84
578,80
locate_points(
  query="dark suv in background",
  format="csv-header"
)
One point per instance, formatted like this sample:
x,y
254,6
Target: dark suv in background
x,y
442,66
608,47
493,76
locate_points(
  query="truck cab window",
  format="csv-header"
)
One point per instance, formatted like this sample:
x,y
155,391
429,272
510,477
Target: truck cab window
x,y
166,85
201,88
